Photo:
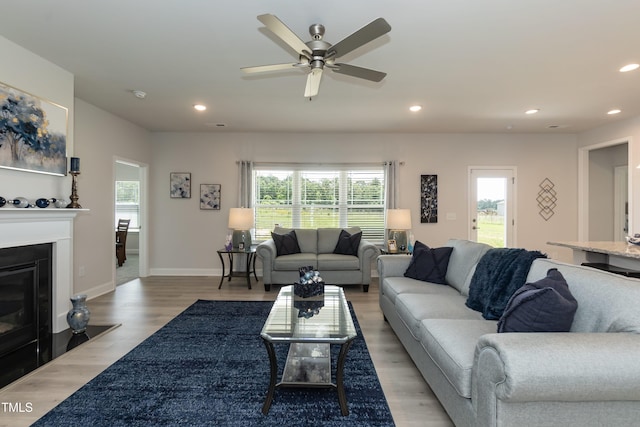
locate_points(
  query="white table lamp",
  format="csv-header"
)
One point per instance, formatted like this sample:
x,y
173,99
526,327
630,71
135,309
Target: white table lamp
x,y
241,222
398,222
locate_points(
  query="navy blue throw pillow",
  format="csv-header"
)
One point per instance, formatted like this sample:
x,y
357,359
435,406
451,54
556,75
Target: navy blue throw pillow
x,y
348,243
429,265
286,244
543,306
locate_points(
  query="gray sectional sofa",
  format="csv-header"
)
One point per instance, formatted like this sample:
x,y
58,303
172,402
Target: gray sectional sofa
x,y
316,249
587,377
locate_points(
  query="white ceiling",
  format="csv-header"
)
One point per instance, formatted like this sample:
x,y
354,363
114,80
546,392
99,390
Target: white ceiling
x,y
475,66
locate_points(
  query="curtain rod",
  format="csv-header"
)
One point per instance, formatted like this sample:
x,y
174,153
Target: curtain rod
x,y
401,163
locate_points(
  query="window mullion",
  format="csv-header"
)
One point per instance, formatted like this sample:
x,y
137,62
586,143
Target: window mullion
x,y
296,208
343,214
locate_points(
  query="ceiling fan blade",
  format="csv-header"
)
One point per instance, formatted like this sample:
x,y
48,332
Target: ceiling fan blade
x,y
264,68
313,83
364,35
361,73
278,28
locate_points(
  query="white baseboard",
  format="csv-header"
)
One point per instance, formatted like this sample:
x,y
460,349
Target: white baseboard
x,y
185,272
204,272
96,291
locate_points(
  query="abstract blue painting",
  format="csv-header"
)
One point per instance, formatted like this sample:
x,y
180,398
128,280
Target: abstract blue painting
x,y
180,183
33,133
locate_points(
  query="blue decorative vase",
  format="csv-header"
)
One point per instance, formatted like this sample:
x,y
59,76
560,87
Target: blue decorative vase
x,y
78,316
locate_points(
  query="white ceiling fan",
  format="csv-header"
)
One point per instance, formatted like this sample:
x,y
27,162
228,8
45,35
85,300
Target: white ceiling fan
x,y
317,54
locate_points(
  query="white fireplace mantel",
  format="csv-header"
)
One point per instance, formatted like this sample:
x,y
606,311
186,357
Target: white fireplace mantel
x,y
22,227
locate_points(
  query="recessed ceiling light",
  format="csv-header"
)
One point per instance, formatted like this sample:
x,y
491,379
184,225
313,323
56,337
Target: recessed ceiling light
x,y
614,111
200,107
532,111
415,108
629,67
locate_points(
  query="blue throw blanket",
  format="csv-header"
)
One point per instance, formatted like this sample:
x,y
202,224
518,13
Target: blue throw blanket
x,y
500,273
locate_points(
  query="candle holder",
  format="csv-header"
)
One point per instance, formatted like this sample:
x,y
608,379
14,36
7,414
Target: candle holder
x,y
74,191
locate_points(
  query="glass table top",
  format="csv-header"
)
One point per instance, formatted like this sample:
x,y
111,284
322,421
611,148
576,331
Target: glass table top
x,y
324,319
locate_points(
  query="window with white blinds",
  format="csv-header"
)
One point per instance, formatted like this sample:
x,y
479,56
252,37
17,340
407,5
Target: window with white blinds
x,y
319,196
128,202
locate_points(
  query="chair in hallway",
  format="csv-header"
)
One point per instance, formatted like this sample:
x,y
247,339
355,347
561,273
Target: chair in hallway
x,y
121,240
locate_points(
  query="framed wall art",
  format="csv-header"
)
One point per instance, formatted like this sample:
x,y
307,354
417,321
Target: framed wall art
x,y
33,133
180,185
429,198
210,196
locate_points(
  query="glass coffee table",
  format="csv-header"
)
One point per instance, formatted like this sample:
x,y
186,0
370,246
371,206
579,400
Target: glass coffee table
x,y
309,326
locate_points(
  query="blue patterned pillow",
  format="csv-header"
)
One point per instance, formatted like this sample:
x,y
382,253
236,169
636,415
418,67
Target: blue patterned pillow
x,y
543,306
429,265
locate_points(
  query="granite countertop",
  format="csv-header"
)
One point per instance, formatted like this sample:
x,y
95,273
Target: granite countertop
x,y
622,249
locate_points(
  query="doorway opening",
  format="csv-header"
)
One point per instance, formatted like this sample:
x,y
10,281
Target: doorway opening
x,y
603,191
130,204
491,206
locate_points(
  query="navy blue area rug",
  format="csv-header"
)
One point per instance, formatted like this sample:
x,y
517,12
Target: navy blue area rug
x,y
209,366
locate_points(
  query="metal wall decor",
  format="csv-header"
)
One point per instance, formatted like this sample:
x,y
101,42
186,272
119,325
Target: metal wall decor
x,y
546,199
429,198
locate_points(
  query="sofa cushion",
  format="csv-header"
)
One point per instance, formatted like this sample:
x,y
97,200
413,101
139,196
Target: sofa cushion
x,y
337,262
451,345
348,243
463,259
328,237
607,302
543,306
286,244
295,261
429,264
414,308
396,285
307,238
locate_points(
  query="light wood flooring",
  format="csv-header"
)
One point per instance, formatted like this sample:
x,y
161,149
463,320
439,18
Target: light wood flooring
x,y
143,306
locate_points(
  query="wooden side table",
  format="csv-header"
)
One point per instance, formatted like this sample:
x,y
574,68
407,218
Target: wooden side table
x,y
249,268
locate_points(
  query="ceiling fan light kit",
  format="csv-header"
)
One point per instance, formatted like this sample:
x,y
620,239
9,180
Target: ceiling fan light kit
x,y
317,54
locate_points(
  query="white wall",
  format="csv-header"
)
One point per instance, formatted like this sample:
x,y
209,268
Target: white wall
x,y
93,135
101,138
30,73
185,238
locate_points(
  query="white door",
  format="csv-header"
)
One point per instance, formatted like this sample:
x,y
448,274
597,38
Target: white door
x,y
491,206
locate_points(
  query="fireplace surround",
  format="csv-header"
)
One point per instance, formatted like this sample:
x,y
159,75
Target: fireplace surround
x,y
50,230
25,227
25,296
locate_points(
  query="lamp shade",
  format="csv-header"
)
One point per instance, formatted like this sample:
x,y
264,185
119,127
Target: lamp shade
x,y
241,218
399,219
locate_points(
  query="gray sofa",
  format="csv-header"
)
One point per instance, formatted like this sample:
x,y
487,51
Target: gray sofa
x,y
317,246
587,377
